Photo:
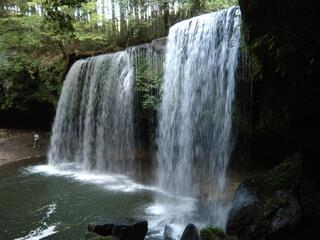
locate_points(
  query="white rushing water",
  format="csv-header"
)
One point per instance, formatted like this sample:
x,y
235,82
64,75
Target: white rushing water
x,y
158,214
93,137
109,182
44,230
94,120
195,123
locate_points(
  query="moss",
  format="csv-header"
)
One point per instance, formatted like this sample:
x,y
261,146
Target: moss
x,y
101,238
94,236
287,175
276,206
212,233
89,235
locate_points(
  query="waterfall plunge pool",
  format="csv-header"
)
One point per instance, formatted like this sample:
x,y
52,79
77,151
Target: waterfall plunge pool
x,y
39,201
96,107
98,126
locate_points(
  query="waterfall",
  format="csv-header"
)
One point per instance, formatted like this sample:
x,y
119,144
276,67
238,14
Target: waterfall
x,y
195,120
105,116
93,127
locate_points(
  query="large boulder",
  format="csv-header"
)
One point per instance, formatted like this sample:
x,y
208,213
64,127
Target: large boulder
x,y
135,231
267,206
191,232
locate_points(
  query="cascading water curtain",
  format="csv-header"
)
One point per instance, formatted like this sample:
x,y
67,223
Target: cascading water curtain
x,y
93,127
195,120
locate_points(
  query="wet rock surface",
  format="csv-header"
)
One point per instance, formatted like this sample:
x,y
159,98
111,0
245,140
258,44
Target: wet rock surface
x,y
191,232
135,231
168,231
267,206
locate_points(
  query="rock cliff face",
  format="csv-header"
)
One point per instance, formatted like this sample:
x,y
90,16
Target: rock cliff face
x,y
280,116
284,48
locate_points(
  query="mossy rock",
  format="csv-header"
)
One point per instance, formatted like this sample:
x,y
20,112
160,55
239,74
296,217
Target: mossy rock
x,y
94,236
212,233
267,204
287,175
89,235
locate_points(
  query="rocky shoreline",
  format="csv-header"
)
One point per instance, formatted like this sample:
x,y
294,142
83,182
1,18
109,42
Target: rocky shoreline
x,y
138,231
17,145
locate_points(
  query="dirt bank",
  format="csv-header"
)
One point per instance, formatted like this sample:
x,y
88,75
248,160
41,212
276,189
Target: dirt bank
x,y
17,145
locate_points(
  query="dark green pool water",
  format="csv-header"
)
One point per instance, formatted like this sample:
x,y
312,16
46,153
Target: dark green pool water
x,y
35,203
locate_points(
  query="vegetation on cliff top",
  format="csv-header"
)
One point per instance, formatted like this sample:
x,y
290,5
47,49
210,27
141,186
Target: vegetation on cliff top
x,y
40,39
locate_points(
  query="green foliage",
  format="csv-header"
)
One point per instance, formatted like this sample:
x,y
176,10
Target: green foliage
x,y
60,12
34,53
214,5
13,63
147,82
35,49
24,58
